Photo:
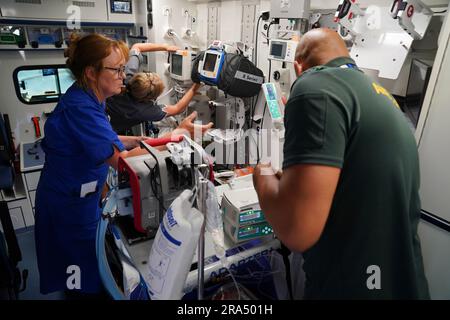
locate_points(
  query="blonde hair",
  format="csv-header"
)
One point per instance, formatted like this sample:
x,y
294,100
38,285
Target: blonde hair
x,y
145,86
89,51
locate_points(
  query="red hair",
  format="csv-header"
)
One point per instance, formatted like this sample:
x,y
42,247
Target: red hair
x,y
89,51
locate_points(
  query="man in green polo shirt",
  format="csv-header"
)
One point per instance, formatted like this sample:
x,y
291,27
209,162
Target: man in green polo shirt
x,y
348,196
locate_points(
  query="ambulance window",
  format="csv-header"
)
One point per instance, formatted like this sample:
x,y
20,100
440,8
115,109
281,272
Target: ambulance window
x,y
41,84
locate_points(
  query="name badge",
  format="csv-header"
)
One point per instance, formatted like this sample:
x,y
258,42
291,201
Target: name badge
x,y
88,188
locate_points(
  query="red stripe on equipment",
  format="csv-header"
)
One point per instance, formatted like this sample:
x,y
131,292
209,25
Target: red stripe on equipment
x,y
163,141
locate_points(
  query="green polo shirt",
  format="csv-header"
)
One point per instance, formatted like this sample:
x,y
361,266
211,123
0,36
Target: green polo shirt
x,y
369,249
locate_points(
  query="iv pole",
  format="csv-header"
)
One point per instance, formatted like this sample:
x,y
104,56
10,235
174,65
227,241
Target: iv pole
x,y
203,192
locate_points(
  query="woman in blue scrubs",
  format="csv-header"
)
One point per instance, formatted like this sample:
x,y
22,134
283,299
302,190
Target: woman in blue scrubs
x,y
79,145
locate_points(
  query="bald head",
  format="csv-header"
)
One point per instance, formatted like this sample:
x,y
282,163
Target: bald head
x,y
318,47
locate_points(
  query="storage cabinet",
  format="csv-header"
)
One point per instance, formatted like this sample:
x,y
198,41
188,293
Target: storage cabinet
x,y
31,181
18,204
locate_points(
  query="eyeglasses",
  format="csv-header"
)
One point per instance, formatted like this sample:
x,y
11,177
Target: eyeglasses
x,y
119,70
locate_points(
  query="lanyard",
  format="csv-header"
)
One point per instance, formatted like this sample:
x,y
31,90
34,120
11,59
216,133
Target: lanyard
x,y
349,65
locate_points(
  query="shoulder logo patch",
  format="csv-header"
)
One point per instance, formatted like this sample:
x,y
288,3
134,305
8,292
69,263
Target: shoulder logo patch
x,y
380,90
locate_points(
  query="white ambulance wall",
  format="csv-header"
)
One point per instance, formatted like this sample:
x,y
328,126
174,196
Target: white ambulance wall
x,y
20,114
90,10
53,10
231,19
230,16
202,23
435,244
176,21
332,4
432,135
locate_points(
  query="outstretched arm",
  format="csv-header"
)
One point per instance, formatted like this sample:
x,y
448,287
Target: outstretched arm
x,y
131,142
149,47
181,105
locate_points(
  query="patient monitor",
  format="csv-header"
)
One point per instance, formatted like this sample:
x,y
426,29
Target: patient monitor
x,y
210,66
181,65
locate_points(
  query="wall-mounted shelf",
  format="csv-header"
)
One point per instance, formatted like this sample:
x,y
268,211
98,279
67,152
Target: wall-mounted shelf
x,y
137,37
29,48
29,22
47,33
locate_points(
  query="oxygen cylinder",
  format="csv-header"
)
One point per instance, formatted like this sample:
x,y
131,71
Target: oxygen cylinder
x,y
173,249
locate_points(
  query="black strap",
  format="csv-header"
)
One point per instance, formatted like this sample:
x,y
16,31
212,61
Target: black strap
x,y
4,146
10,235
285,252
9,137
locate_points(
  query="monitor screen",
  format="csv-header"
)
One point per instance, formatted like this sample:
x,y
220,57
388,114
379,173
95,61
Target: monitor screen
x,y
210,62
271,93
276,50
250,216
417,86
177,64
248,231
123,6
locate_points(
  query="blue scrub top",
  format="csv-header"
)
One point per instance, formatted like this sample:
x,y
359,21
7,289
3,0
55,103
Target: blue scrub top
x,y
78,140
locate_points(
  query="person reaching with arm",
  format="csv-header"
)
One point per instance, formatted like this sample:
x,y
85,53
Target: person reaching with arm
x,y
138,103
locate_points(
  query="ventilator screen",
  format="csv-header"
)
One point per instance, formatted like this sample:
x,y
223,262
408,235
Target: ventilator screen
x,y
276,50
